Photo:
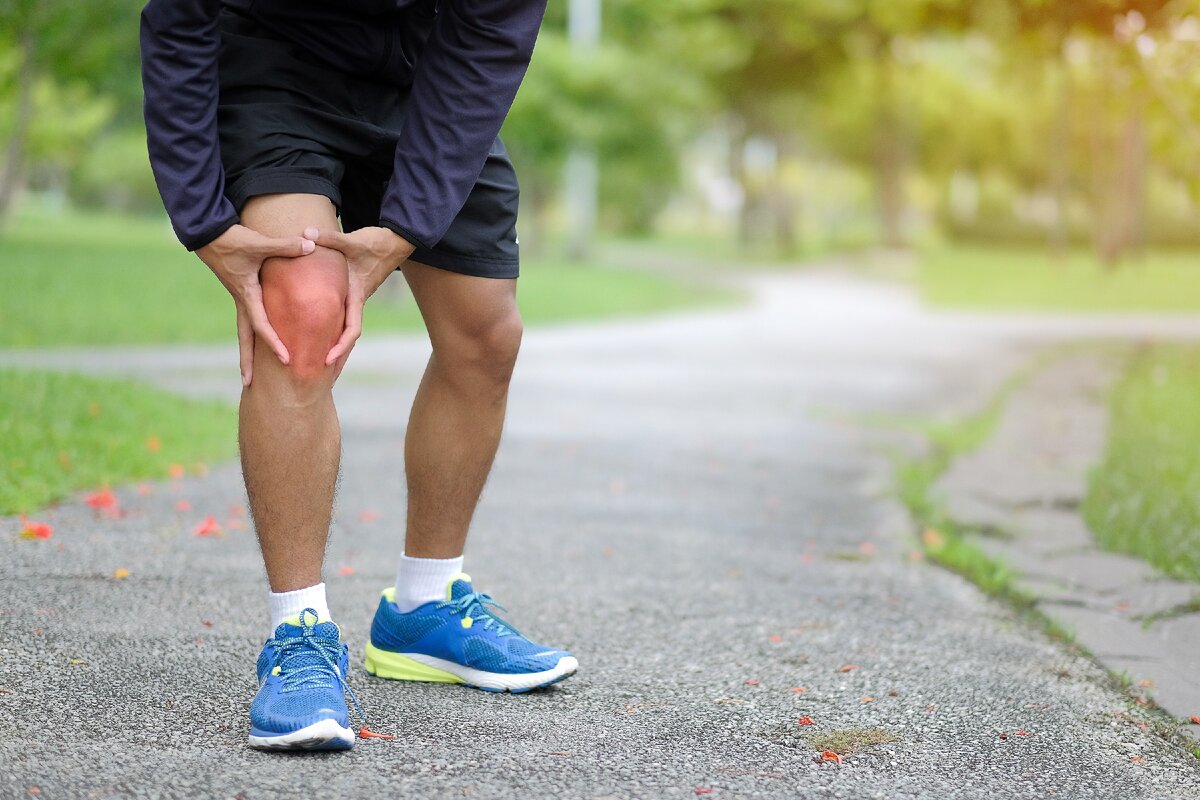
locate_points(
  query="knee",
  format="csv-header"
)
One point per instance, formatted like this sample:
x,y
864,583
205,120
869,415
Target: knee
x,y
305,299
484,348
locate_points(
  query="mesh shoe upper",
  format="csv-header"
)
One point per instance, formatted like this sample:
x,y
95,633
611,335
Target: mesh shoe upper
x,y
301,672
463,630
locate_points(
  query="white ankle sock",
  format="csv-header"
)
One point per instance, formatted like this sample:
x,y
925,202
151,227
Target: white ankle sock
x,y
290,604
421,580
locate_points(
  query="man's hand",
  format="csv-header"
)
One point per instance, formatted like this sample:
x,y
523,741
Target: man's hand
x,y
236,257
371,254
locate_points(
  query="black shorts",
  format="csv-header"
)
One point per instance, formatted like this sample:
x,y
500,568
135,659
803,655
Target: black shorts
x,y
290,124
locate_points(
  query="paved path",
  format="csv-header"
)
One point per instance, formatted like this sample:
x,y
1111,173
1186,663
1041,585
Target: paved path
x,y
682,503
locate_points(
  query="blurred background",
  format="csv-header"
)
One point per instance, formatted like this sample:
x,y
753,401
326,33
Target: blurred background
x,y
782,128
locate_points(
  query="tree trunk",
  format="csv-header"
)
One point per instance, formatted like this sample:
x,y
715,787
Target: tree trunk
x,y
14,156
888,160
1059,155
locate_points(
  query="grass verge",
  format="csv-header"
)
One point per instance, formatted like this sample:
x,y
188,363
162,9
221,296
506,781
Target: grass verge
x,y
1144,497
1030,278
63,433
96,279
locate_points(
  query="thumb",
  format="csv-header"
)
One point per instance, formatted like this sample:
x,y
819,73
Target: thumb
x,y
331,238
283,248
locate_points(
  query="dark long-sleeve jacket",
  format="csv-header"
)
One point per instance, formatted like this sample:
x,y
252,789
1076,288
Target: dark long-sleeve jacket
x,y
462,60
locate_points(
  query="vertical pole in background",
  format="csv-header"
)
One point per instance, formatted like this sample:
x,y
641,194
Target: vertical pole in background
x,y
582,172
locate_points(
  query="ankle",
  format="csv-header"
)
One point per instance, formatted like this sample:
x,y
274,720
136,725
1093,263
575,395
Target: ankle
x,y
423,580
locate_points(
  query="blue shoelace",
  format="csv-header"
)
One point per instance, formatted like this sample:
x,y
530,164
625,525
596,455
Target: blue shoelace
x,y
311,672
477,602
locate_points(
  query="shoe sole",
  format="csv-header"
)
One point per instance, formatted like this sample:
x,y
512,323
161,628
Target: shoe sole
x,y
326,734
420,667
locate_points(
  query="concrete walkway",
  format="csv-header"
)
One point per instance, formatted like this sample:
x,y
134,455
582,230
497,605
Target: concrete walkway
x,y
679,502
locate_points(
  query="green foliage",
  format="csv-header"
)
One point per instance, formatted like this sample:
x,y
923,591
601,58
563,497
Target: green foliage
x,y
73,279
63,433
1144,498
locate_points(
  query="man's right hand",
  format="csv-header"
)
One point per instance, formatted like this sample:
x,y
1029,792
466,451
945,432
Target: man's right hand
x,y
236,258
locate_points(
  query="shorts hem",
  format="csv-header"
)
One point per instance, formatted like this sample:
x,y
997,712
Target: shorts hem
x,y
261,183
499,268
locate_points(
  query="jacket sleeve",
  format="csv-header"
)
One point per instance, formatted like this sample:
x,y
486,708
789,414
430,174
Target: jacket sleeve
x,y
465,81
180,40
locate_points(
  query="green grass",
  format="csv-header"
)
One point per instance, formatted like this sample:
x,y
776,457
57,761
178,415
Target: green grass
x,y
76,279
63,433
1027,278
1144,498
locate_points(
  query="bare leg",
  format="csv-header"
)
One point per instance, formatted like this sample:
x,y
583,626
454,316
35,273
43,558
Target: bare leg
x,y
289,434
458,414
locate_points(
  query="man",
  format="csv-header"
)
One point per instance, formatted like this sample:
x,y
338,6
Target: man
x,y
266,121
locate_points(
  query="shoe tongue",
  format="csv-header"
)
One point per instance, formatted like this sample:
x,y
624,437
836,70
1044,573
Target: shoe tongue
x,y
459,586
294,626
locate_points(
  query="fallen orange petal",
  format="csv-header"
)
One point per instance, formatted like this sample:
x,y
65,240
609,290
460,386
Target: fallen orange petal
x,y
1194,719
775,638
752,681
176,471
366,733
867,699
120,574
847,668
210,527
1021,733
703,790
183,505
1137,760
805,721
103,499
829,755
798,689
345,570
35,530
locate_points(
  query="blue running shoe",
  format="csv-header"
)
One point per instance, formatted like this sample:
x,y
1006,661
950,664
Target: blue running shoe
x,y
301,702
459,640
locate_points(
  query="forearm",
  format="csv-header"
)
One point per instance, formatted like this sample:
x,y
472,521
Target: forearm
x,y
465,82
180,40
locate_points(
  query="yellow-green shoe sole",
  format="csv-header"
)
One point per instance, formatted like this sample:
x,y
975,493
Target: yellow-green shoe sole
x,y
397,667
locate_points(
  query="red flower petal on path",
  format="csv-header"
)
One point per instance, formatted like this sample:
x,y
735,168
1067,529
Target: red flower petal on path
x,y
102,500
798,689
867,699
1137,760
1194,719
752,681
1022,733
183,505
807,558
774,638
366,733
210,527
867,548
829,755
847,668
176,471
1003,736
206,623
703,790
35,530
345,570
805,721
144,489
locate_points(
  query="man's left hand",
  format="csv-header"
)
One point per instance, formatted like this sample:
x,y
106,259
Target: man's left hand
x,y
372,254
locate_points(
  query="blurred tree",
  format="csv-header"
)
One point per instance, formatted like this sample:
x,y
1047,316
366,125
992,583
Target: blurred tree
x,y
73,63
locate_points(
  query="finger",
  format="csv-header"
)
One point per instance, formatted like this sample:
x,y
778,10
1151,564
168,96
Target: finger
x,y
245,335
262,327
266,247
331,238
350,333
